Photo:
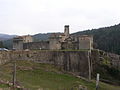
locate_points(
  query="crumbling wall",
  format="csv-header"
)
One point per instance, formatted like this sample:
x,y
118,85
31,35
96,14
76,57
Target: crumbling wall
x,y
72,61
36,45
18,45
99,57
54,44
5,57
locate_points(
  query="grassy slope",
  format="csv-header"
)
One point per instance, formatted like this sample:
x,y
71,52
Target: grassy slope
x,y
33,75
3,86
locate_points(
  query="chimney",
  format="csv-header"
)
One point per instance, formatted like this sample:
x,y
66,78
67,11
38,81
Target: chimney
x,y
66,30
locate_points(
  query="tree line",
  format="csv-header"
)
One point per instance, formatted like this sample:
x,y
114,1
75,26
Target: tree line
x,y
106,38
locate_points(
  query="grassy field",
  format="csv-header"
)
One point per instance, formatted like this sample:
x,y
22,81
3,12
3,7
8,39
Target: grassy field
x,y
3,86
34,75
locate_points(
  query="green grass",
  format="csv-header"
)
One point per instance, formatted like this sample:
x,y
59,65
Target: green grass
x,y
34,75
104,86
3,86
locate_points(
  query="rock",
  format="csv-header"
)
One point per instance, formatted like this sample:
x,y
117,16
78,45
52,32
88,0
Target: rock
x,y
80,87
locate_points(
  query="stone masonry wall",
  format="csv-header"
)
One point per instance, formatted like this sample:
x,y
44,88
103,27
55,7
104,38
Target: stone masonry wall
x,y
72,61
36,45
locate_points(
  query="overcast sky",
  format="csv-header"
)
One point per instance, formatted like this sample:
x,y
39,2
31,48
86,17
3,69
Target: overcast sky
x,y
41,16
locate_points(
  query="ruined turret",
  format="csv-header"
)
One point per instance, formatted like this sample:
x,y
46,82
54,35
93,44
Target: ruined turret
x,y
66,30
20,40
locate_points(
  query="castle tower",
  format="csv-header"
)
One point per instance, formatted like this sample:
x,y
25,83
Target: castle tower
x,y
20,40
86,42
66,30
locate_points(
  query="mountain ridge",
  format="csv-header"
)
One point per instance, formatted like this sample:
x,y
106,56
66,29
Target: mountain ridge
x,y
6,36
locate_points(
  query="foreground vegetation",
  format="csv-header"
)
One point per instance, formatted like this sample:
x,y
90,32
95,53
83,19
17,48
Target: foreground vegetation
x,y
3,86
35,75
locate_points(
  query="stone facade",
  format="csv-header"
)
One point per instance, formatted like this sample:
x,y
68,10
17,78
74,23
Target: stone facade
x,y
18,44
69,43
66,41
36,45
19,40
85,42
55,41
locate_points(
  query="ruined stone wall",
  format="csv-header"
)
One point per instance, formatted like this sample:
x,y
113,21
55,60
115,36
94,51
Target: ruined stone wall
x,y
85,42
36,45
27,39
69,45
54,44
114,59
5,56
72,61
110,59
18,45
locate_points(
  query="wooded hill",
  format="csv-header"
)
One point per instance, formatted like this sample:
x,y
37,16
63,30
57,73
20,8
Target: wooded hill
x,y
107,38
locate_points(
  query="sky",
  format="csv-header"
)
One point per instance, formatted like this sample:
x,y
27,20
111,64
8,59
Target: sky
x,y
23,17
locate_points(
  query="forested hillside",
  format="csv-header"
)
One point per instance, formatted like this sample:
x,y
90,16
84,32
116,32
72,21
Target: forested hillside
x,y
6,36
107,38
41,37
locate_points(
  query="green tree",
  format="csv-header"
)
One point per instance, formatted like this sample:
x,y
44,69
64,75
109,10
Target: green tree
x,y
1,44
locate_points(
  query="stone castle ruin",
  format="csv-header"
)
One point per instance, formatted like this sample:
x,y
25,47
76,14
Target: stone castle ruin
x,y
57,41
18,42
